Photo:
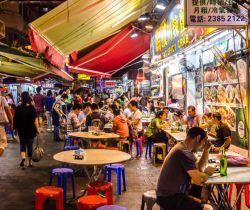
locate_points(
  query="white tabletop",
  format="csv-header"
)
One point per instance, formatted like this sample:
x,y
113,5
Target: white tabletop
x,y
87,135
93,157
181,136
108,126
146,120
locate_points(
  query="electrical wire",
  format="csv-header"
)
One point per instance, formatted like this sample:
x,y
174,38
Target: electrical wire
x,y
238,80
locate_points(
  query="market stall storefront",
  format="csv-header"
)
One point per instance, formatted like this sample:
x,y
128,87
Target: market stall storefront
x,y
197,72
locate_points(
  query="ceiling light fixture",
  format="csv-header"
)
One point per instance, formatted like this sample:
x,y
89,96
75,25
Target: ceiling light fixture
x,y
144,17
160,6
149,26
135,34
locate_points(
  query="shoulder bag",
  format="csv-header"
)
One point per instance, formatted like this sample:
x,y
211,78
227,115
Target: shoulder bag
x,y
38,152
3,116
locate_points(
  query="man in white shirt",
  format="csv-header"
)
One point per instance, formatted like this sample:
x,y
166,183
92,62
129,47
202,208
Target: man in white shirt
x,y
127,113
83,114
136,116
110,114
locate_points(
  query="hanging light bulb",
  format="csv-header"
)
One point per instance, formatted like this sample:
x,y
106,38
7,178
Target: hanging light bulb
x,y
149,26
144,17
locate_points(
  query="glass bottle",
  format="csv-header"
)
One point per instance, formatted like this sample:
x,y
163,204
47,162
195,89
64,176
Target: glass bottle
x,y
223,163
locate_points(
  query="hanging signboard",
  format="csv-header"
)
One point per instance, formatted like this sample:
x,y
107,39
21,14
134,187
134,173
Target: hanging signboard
x,y
83,77
205,13
172,36
110,83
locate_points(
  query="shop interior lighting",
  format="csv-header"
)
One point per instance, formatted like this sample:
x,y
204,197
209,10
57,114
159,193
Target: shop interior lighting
x,y
160,6
149,26
123,19
146,56
135,34
144,17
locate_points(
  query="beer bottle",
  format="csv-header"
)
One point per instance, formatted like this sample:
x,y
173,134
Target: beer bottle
x,y
223,163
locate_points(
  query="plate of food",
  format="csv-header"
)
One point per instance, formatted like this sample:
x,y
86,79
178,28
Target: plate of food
x,y
207,109
222,74
207,94
223,113
231,118
222,94
242,68
210,75
233,75
213,93
230,93
238,96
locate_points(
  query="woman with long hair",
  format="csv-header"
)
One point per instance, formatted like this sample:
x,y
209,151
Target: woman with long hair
x,y
26,124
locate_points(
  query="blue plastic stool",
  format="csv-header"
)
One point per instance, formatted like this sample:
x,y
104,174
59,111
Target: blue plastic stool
x,y
111,207
67,148
120,171
138,146
70,140
62,176
9,132
148,149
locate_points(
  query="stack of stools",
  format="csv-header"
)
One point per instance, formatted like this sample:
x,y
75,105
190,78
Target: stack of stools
x,y
98,186
46,192
62,176
148,149
149,198
161,145
138,146
112,207
91,202
119,169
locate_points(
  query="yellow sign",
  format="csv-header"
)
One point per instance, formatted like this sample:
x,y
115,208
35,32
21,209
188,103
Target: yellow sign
x,y
83,77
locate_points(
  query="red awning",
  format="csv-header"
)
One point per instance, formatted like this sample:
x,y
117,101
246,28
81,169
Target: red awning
x,y
41,46
113,55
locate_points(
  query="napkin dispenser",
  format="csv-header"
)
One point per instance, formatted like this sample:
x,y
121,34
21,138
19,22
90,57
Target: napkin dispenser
x,y
79,154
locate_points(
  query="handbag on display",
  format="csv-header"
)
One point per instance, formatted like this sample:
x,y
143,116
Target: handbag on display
x,y
3,116
38,152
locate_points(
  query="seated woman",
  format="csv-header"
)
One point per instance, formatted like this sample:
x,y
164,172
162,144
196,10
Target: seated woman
x,y
208,123
153,133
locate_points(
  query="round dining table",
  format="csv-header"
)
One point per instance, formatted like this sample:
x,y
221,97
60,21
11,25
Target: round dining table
x,y
89,137
93,157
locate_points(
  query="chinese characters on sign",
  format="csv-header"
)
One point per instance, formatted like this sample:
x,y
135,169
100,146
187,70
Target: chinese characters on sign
x,y
210,13
171,36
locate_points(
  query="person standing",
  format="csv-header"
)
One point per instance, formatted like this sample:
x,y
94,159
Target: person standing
x,y
61,92
39,105
68,102
3,137
26,124
136,117
49,100
57,113
9,98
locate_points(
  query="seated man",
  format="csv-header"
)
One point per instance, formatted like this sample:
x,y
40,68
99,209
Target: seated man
x,y
223,133
85,112
120,125
168,113
193,119
73,123
161,106
179,167
96,118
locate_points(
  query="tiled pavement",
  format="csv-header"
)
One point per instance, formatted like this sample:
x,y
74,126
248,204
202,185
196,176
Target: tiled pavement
x,y
18,185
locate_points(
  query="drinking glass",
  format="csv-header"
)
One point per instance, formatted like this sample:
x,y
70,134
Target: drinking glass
x,y
90,129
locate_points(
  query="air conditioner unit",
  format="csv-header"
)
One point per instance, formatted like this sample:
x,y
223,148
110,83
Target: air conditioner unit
x,y
2,29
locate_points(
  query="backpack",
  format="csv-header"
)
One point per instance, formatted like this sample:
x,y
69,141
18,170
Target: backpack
x,y
97,122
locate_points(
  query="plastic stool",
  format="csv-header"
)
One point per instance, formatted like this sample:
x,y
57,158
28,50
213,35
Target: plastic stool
x,y
62,175
90,202
148,149
70,140
67,148
10,132
161,145
149,198
121,143
97,186
46,192
111,207
238,187
120,171
138,147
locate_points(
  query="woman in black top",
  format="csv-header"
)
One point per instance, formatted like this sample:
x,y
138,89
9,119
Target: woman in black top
x,y
25,122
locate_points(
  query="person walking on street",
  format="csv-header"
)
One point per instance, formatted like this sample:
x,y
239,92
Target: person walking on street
x,y
26,124
39,105
61,92
3,137
68,102
49,100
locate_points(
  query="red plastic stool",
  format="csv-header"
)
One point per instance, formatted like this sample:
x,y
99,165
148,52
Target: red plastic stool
x,y
113,148
46,192
238,187
91,202
97,186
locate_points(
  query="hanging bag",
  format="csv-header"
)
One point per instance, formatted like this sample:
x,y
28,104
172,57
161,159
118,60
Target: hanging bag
x,y
3,116
38,152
